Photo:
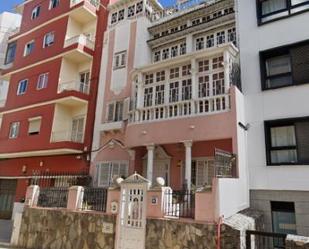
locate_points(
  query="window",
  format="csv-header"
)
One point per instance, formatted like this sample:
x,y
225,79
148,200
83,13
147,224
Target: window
x,y
183,48
203,66
131,11
139,7
218,84
270,10
35,12
202,172
183,26
148,96
108,171
174,73
22,87
174,51
210,41
174,92
160,76
53,4
148,79
186,70
203,86
77,129
10,53
49,39
186,89
231,35
283,219
115,111
120,60
34,126
114,18
199,43
287,141
217,62
285,66
220,37
121,15
42,81
165,53
14,130
159,95
157,56
29,48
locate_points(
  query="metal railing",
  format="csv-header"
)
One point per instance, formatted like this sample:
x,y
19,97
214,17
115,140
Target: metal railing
x,y
225,163
265,240
95,3
80,39
95,199
74,86
208,105
67,136
53,197
179,204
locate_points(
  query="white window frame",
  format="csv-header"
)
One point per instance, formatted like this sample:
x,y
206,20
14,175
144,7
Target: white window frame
x,y
51,4
26,81
111,165
14,130
35,12
35,119
45,40
42,81
120,60
27,46
117,116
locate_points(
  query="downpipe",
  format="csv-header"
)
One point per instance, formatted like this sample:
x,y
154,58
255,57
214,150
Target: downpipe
x,y
219,224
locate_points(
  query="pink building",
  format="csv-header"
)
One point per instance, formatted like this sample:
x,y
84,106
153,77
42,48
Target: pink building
x,y
169,103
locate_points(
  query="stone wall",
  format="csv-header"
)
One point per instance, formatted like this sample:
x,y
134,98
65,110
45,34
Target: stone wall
x,y
297,242
55,229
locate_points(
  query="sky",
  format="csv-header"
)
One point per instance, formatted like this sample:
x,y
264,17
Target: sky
x,y
7,5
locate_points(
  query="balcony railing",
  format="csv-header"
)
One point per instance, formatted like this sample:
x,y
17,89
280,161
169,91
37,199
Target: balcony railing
x,y
203,106
74,86
79,39
67,136
95,3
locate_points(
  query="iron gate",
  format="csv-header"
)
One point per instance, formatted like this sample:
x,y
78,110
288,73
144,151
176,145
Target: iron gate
x,y
265,240
7,196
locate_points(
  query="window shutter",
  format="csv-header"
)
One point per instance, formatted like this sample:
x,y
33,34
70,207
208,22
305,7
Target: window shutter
x,y
34,126
302,133
126,108
104,174
300,61
110,112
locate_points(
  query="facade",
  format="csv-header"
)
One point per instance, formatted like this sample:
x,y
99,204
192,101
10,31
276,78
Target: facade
x,y
169,102
52,66
274,60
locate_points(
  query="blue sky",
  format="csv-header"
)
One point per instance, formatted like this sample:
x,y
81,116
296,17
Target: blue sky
x,y
7,5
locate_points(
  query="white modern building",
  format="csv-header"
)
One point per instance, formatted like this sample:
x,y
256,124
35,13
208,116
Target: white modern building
x,y
275,75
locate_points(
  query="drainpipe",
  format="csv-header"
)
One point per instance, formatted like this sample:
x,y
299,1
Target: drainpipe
x,y
219,232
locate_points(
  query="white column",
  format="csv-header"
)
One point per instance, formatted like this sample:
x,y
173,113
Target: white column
x,y
194,84
150,157
140,99
188,165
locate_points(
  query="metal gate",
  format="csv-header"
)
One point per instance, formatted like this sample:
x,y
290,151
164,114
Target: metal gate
x,y
7,196
131,230
265,240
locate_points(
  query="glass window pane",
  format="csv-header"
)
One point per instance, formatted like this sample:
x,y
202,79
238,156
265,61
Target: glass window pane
x,y
278,65
283,156
283,136
271,6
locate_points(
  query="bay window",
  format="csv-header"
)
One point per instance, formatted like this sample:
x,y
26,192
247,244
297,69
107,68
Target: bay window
x,y
174,92
203,86
148,96
186,89
159,95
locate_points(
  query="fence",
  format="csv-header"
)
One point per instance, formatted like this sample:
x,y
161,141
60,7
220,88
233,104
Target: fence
x,y
265,240
53,197
179,204
95,199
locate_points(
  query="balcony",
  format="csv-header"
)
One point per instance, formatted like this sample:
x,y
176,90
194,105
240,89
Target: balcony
x,y
74,86
67,136
84,10
78,54
79,39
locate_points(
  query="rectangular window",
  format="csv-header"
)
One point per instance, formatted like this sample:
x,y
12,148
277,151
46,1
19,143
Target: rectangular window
x,y
10,53
220,37
270,10
42,81
217,63
202,172
283,219
35,12
34,126
29,48
231,35
165,53
160,76
121,15
148,79
186,89
115,111
200,43
174,51
157,56
22,87
174,92
120,60
218,84
49,39
14,130
159,95
203,66
287,141
148,93
78,129
131,11
186,70
108,171
285,66
183,48
203,86
174,73
53,4
210,41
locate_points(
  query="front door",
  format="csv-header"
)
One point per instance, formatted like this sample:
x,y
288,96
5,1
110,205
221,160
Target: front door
x,y
7,197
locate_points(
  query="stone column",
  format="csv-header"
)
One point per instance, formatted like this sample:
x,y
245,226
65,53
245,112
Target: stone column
x,y
32,196
150,158
188,145
75,198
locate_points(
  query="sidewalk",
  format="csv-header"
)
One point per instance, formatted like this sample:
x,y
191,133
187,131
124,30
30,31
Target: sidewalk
x,y
5,230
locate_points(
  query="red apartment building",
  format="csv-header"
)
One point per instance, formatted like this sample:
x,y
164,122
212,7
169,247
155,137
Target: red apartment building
x,y
52,66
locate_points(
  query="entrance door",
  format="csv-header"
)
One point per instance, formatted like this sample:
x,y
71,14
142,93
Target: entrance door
x,y
84,82
7,196
132,215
